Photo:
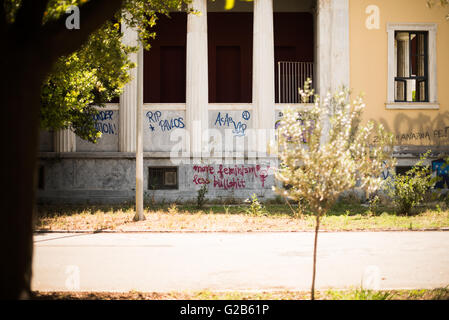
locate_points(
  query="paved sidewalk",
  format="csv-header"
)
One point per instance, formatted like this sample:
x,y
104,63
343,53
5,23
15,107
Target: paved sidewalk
x,y
236,261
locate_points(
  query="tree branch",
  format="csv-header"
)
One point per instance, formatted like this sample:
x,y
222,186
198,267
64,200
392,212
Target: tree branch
x,y
56,40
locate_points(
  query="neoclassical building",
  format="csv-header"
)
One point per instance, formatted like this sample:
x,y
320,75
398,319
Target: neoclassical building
x,y
213,86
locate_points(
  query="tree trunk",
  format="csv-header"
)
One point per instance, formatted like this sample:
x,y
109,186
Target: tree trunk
x,y
317,227
27,56
20,94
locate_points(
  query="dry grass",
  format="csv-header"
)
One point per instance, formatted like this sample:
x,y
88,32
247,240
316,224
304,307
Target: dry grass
x,y
350,294
343,217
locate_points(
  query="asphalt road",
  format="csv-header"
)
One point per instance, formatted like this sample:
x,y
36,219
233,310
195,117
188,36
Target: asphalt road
x,y
237,261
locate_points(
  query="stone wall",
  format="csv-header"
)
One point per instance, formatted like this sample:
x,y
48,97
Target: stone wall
x,y
109,179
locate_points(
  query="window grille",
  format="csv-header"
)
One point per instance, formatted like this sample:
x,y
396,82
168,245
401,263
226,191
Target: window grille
x,y
160,178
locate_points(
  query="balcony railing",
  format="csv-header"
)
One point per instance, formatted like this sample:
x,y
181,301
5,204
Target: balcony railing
x,y
290,78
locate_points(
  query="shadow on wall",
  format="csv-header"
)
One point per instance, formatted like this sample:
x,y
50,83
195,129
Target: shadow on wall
x,y
419,130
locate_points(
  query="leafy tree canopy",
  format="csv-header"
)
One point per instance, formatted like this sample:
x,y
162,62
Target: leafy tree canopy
x,y
96,73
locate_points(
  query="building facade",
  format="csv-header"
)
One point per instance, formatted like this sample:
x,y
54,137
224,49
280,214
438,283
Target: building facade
x,y
214,85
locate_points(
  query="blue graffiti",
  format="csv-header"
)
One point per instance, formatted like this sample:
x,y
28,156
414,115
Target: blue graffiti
x,y
154,116
103,115
239,128
246,115
164,124
442,171
167,125
104,126
385,174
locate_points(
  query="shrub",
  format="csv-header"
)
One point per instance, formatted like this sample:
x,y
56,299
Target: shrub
x,y
408,190
201,197
374,202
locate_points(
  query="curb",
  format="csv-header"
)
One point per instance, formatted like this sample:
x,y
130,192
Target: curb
x,y
43,231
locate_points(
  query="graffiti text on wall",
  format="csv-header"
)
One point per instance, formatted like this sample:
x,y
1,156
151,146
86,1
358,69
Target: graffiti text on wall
x,y
228,177
238,126
437,134
103,122
156,120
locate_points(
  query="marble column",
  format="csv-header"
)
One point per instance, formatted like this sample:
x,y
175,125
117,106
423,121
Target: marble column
x,y
128,99
65,141
332,50
332,45
263,70
197,93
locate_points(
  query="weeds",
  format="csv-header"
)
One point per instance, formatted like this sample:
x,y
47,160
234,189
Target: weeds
x,y
173,209
201,197
255,208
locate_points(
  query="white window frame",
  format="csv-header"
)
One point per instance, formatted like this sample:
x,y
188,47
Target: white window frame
x,y
431,28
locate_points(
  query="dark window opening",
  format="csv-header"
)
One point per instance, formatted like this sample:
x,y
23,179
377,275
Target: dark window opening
x,y
293,54
411,78
230,50
165,62
162,178
41,178
172,79
403,170
229,69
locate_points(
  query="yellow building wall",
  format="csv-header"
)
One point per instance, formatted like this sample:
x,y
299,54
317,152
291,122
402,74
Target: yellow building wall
x,y
369,69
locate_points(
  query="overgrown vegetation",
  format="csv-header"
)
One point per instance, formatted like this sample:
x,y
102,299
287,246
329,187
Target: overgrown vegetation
x,y
408,190
342,216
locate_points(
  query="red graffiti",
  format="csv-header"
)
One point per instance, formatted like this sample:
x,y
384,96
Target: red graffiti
x,y
263,176
234,183
198,180
229,177
238,171
207,168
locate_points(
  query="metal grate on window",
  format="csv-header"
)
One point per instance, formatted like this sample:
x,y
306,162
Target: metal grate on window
x,y
162,178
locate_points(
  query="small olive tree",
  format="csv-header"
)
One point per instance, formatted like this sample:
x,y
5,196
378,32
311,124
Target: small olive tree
x,y
325,150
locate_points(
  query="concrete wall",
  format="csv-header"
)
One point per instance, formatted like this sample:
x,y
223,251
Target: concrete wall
x,y
158,126
46,141
111,179
107,122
